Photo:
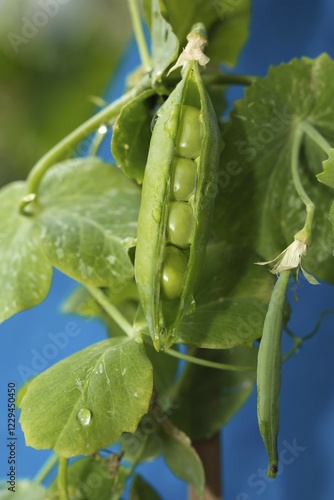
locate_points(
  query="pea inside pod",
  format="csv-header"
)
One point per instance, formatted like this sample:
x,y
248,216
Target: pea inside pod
x,y
173,272
184,179
181,224
176,207
189,139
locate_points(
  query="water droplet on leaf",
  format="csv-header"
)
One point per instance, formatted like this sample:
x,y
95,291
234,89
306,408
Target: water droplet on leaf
x,y
84,416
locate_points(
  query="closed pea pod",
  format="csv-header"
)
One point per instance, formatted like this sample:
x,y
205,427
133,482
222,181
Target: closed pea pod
x,y
176,207
269,372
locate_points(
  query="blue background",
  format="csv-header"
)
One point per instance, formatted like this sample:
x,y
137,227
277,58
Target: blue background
x,y
280,31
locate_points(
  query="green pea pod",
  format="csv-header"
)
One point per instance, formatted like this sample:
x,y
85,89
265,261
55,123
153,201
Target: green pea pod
x,y
177,201
269,372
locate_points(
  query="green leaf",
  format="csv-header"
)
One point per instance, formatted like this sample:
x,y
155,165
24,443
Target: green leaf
x,y
226,23
231,300
206,399
24,490
141,490
92,479
331,217
165,45
88,220
157,436
25,273
257,202
181,457
85,402
327,176
132,135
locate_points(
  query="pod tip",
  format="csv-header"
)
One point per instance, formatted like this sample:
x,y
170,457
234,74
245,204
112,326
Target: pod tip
x,y
272,470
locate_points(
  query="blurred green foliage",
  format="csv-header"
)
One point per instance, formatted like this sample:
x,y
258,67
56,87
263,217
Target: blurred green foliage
x,y
54,55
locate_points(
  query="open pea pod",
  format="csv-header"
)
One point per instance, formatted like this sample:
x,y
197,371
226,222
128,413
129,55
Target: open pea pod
x,y
177,200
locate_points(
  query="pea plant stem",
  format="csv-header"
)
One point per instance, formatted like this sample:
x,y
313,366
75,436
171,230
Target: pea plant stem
x,y
209,364
111,310
62,479
139,34
228,79
316,137
219,79
298,341
305,233
46,469
66,147
209,451
118,317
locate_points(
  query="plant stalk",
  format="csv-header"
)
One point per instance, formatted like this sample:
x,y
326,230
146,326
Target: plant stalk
x,y
46,469
66,147
305,233
209,451
139,35
62,479
111,310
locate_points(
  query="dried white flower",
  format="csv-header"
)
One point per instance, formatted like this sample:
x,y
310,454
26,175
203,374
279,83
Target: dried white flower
x,y
290,258
194,51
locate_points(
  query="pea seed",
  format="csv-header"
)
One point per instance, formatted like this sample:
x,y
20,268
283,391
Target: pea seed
x,y
184,180
189,141
173,272
181,224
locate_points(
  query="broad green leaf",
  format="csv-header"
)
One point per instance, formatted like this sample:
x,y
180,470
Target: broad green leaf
x,y
206,398
24,490
80,302
226,23
85,402
327,176
257,202
157,436
25,273
165,45
132,135
181,457
88,220
231,300
92,479
141,490
331,216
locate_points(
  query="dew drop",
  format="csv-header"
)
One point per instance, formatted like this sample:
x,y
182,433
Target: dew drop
x,y
84,416
103,129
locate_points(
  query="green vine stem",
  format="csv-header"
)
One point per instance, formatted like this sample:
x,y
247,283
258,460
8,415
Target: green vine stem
x,y
139,35
209,364
46,469
315,136
111,310
298,341
123,323
65,146
304,234
228,79
98,139
62,479
218,79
